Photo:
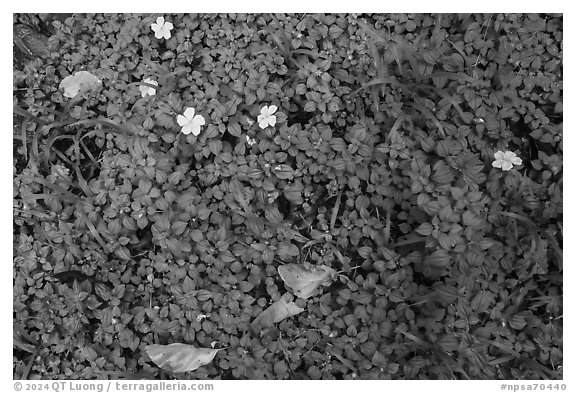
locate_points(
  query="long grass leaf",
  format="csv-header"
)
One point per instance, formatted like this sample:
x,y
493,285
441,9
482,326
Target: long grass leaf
x,y
93,231
48,147
335,211
412,337
425,111
22,112
24,138
380,37
81,181
49,110
34,197
450,75
54,187
418,239
516,216
395,126
504,348
387,228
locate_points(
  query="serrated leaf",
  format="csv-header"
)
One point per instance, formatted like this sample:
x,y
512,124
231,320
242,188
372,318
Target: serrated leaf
x,y
482,301
439,258
517,322
425,229
180,358
277,312
284,171
303,281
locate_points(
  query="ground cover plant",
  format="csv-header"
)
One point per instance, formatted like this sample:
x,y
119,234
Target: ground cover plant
x,y
287,196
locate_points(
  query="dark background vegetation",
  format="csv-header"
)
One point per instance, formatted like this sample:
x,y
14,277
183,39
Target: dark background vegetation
x,y
128,233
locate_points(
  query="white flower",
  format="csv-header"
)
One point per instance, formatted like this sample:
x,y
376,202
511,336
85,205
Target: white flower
x,y
266,117
60,170
191,123
161,28
506,160
250,141
147,90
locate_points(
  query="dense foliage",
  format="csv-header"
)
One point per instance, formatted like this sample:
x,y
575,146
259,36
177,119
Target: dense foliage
x,y
128,232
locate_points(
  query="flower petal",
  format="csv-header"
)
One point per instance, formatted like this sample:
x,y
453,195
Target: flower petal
x,y
497,164
499,155
272,121
160,20
506,166
516,161
509,155
263,123
265,111
169,26
272,109
189,113
199,120
182,121
187,129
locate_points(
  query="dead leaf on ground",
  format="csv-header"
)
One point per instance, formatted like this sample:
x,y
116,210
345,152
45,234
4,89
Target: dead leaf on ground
x,y
277,312
303,280
179,358
80,81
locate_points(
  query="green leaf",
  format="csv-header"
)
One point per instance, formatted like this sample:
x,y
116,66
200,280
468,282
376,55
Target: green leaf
x,y
517,322
440,258
425,229
482,301
284,171
310,106
293,192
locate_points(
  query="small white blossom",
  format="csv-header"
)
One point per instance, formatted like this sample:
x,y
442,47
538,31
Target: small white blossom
x,y
162,29
60,170
250,141
190,122
266,117
506,160
147,90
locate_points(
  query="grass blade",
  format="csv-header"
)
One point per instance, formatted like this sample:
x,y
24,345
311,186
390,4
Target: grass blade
x,y
24,138
335,211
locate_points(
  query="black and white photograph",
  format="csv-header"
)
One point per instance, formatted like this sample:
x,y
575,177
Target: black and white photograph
x,y
201,197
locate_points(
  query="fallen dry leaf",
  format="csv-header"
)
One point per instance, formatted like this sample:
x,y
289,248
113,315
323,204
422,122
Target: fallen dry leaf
x,y
179,358
302,280
80,81
277,312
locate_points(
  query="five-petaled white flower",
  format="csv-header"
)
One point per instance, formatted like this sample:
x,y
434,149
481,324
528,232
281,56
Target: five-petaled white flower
x,y
190,122
266,117
162,29
506,160
147,90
